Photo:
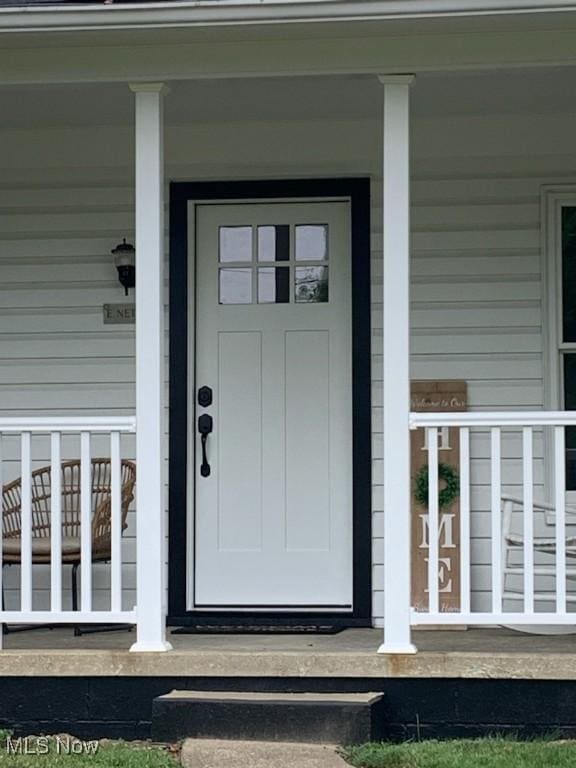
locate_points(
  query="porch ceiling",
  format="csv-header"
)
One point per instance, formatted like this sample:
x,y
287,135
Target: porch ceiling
x,y
538,91
60,51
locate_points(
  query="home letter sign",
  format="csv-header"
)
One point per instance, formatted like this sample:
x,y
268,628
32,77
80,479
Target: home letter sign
x,y
436,396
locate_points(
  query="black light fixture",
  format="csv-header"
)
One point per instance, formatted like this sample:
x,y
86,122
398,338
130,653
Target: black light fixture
x,y
125,261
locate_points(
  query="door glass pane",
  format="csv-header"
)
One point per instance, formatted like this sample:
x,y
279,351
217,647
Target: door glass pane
x,y
570,405
311,285
569,273
274,243
235,286
235,244
273,285
311,242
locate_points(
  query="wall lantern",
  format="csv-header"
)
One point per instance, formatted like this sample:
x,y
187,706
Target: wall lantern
x,y
125,261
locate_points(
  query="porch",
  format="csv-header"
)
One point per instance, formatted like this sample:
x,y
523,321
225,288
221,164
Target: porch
x,y
479,653
479,296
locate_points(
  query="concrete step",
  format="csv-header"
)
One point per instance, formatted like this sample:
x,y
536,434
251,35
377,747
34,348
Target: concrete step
x,y
329,718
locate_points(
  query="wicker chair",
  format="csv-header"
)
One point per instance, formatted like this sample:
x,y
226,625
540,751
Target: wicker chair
x,y
70,489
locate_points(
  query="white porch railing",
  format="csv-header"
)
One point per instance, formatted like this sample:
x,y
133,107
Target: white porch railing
x,y
526,579
18,438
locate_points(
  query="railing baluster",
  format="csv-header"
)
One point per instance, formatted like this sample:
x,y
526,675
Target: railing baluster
x,y
465,519
502,509
56,521
560,505
26,524
116,522
433,522
495,492
33,495
529,505
85,522
528,522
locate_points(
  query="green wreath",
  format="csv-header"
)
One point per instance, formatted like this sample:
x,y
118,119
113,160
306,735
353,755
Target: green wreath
x,y
446,495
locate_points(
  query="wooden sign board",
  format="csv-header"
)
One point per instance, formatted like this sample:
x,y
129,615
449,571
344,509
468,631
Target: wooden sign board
x,y
436,396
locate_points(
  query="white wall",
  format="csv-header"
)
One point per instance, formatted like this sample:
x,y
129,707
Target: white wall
x,y
66,199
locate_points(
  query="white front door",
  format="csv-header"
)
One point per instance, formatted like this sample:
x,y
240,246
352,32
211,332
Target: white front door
x,y
273,503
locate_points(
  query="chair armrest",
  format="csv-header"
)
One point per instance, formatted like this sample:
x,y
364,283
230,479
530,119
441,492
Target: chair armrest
x,y
546,507
550,517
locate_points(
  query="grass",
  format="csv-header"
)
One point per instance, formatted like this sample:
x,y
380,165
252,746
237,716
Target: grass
x,y
480,753
37,752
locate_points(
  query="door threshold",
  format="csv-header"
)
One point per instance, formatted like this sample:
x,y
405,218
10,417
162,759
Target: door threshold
x,y
270,624
295,628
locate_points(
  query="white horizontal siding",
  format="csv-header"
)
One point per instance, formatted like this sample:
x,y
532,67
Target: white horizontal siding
x,y
66,198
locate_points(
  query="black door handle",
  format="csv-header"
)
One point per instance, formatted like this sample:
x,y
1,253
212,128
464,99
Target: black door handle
x,y
205,426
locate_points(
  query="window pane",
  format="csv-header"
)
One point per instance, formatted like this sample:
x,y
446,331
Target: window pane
x,y
311,285
570,405
235,286
274,243
311,242
569,273
274,285
235,244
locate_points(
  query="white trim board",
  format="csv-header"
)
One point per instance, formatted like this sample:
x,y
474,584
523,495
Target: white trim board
x,y
233,12
553,198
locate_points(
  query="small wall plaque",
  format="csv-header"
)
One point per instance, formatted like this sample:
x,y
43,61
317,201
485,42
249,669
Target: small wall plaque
x,y
119,314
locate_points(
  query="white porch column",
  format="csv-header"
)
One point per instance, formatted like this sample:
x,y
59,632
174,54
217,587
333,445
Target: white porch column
x,y
396,363
150,549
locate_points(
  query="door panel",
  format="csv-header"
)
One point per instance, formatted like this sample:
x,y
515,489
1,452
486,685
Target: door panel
x,y
238,465
273,520
307,423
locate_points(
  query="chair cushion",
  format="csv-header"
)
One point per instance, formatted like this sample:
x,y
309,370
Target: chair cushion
x,y
41,548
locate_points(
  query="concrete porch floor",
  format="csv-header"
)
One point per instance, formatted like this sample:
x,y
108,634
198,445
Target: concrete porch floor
x,y
473,653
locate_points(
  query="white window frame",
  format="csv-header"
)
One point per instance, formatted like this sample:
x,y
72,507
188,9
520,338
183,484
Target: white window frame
x,y
553,199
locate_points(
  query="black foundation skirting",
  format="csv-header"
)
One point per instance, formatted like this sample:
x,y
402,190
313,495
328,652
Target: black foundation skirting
x,y
121,707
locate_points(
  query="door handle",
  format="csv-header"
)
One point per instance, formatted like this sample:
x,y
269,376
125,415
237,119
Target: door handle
x,y
205,426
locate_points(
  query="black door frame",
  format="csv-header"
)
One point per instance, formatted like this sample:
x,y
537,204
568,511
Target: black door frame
x,y
357,191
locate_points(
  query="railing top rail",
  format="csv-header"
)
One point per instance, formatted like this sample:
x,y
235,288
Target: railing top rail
x,y
68,424
494,419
